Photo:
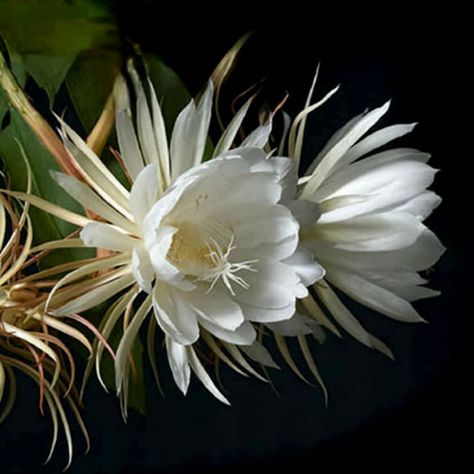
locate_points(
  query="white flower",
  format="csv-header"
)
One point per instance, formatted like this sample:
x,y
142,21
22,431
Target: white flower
x,y
211,243
368,230
211,249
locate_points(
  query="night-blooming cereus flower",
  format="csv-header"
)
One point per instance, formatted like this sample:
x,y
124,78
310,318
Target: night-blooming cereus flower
x,y
367,229
212,244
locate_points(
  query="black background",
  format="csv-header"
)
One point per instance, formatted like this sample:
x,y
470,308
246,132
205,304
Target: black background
x,y
381,414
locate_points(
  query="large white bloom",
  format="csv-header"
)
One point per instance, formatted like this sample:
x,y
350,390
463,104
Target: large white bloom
x,y
367,229
211,249
210,243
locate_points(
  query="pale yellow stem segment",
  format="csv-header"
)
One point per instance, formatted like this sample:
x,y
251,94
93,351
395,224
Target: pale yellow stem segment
x,y
99,135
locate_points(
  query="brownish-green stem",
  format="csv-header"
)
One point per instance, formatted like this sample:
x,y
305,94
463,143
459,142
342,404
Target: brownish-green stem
x,y
32,117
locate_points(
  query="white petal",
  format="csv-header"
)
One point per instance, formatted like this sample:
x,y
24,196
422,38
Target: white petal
x,y
213,191
373,141
202,375
164,270
284,171
424,253
251,155
271,294
260,314
105,236
347,320
144,193
159,211
96,296
228,136
229,163
301,291
256,224
259,353
373,233
306,268
275,251
179,364
126,136
128,144
127,341
272,285
380,186
259,137
173,315
305,212
146,133
85,196
189,135
393,275
295,326
215,306
299,325
160,135
382,166
374,296
331,158
98,175
287,173
335,138
142,268
222,197
409,291
245,334
420,206
393,154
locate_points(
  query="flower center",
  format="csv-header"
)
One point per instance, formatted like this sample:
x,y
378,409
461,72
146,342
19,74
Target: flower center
x,y
204,251
224,269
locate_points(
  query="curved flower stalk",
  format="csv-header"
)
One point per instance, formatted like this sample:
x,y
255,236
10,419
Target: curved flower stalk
x,y
367,227
30,340
210,245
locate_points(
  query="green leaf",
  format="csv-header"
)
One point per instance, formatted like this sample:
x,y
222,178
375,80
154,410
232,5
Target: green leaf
x,y
18,68
46,227
49,35
49,72
90,82
170,90
3,106
52,26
